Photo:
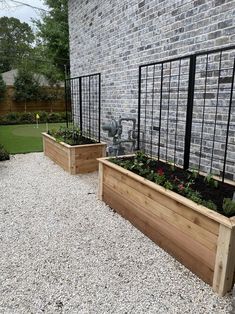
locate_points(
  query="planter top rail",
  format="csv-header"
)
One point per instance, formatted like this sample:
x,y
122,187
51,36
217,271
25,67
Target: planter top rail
x,y
67,145
228,222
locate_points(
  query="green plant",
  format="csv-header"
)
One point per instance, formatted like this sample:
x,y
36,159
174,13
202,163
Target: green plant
x,y
4,155
29,117
141,157
2,88
229,207
175,179
26,117
168,185
193,174
26,87
54,117
71,136
16,39
209,204
160,179
10,118
211,181
194,196
65,116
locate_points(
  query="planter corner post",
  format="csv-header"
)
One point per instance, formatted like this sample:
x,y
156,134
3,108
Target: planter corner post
x,y
225,261
100,184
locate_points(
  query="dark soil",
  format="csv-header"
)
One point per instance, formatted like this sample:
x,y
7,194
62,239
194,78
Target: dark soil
x,y
82,141
207,192
71,136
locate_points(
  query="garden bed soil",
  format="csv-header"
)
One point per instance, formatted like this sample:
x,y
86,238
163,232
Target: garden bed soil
x,y
74,159
208,192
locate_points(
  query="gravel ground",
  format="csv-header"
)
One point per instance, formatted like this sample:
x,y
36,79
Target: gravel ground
x,y
64,251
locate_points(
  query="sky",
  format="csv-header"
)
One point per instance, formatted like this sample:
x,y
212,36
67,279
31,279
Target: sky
x,y
23,13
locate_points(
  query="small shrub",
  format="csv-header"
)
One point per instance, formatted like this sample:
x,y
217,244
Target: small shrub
x,y
64,116
43,116
26,118
4,155
229,207
13,116
209,204
71,136
211,181
54,117
26,87
30,117
195,196
2,88
168,185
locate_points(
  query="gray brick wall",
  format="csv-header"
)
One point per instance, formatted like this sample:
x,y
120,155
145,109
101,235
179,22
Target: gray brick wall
x,y
115,37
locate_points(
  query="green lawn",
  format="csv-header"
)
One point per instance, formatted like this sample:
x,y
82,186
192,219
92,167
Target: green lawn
x,y
24,138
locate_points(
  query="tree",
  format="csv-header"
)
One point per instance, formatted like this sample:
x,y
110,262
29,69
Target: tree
x,y
2,88
16,40
53,31
27,88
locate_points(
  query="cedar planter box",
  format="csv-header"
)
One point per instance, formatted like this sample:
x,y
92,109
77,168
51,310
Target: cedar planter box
x,y
73,159
201,239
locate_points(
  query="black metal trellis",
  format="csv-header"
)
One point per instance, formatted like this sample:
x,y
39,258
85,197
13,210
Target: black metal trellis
x,y
83,94
186,111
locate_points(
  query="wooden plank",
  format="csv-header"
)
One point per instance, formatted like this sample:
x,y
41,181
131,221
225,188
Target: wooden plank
x,y
86,166
74,159
63,162
56,152
129,211
104,148
71,161
162,212
59,156
56,149
90,145
10,105
100,182
232,219
225,261
58,145
44,145
172,204
88,154
200,209
172,231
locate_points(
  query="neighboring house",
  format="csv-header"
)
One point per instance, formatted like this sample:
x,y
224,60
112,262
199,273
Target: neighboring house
x,y
116,37
9,78
9,105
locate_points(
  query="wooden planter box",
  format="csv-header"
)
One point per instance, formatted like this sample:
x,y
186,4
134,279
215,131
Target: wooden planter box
x,y
199,238
74,159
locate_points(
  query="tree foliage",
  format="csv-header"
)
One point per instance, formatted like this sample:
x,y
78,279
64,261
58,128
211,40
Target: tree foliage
x,y
16,40
2,88
26,86
53,32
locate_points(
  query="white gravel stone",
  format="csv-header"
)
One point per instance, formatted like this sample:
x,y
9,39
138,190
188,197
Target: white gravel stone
x,y
64,251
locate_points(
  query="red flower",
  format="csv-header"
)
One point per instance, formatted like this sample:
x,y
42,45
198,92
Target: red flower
x,y
160,172
181,187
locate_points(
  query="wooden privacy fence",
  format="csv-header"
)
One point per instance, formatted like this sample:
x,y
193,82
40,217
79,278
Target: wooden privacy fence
x,y
8,104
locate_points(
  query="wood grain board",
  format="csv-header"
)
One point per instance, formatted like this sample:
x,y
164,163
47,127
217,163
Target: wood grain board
x,y
10,105
202,240
74,159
